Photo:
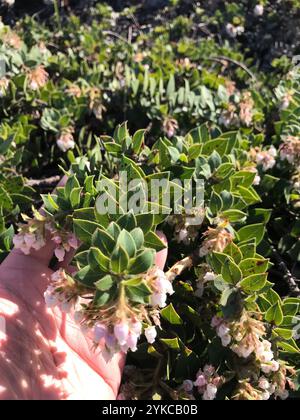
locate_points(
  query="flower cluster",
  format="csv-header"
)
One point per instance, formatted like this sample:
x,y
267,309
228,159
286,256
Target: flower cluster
x,y
247,337
12,40
233,31
37,78
290,150
246,109
31,235
170,126
63,240
264,158
264,387
228,116
65,139
216,239
62,292
160,285
207,382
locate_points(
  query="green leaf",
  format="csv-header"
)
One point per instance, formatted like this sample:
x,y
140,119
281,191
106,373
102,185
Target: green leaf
x,y
254,282
275,314
138,140
87,277
255,231
172,343
284,333
71,183
5,200
145,221
101,298
105,283
233,215
137,290
127,242
217,260
50,204
114,230
84,229
215,203
119,260
253,266
127,221
103,241
234,252
231,273
97,259
75,197
248,250
231,303
169,314
153,241
138,237
142,262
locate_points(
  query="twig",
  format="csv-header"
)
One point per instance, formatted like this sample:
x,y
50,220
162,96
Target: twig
x,y
287,275
178,268
52,180
221,58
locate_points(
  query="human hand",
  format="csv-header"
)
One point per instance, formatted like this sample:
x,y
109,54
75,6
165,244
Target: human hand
x,y
43,353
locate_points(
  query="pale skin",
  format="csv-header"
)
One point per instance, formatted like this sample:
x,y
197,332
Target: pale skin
x,y
43,353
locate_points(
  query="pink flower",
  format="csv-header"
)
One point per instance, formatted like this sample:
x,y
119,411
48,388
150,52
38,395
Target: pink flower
x,y
150,334
200,381
100,331
132,341
121,332
73,242
60,253
188,385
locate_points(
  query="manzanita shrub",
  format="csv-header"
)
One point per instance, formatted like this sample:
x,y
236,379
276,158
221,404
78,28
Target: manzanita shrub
x,y
211,325
209,160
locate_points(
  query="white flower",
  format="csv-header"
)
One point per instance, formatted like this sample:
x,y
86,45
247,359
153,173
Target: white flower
x,y
265,395
222,330
226,339
132,341
60,253
200,380
65,141
188,385
210,392
256,180
258,10
272,366
158,299
121,332
263,383
230,29
150,334
209,276
100,331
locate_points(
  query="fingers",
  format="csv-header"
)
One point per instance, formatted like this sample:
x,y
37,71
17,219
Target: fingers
x,y
161,256
44,254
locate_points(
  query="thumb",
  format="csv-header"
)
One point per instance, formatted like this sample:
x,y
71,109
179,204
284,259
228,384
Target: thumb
x,y
161,256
